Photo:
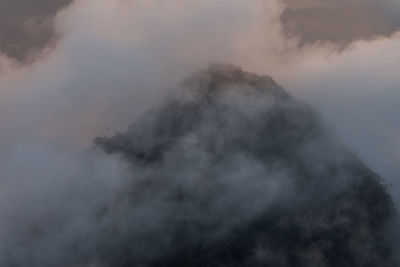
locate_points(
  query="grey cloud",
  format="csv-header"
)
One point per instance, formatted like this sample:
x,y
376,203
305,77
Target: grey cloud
x,y
116,59
358,93
26,26
340,21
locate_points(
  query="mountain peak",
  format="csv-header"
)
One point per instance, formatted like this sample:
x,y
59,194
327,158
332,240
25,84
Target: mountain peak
x,y
248,176
219,77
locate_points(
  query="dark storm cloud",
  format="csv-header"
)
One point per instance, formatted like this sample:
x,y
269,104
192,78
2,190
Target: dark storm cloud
x,y
26,26
340,21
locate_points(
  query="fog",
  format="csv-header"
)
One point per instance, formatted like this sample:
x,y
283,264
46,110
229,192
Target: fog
x,y
99,65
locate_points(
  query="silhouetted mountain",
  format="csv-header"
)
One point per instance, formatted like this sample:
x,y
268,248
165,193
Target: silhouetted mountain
x,y
233,171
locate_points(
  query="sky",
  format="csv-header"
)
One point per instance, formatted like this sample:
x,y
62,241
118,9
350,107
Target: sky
x,y
340,21
71,71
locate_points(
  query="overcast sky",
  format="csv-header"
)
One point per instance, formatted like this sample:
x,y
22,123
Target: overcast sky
x,y
70,72
26,27
340,21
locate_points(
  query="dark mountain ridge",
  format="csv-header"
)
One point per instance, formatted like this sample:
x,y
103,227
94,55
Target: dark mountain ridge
x,y
248,176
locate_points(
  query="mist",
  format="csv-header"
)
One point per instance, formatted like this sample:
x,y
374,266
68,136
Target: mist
x,y
229,170
98,66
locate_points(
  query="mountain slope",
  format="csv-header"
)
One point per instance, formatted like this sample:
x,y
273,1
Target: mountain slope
x,y
238,173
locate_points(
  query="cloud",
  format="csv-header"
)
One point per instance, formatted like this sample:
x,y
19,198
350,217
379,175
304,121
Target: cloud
x,y
117,59
48,192
26,27
357,91
341,22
